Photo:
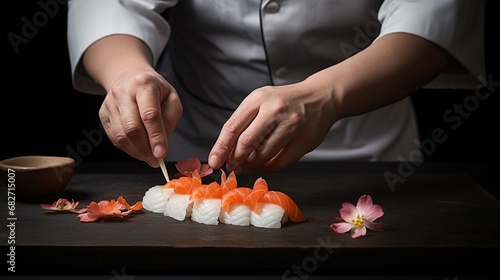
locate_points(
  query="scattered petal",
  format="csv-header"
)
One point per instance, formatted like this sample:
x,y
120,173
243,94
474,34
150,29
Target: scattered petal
x,y
136,206
62,204
108,209
103,210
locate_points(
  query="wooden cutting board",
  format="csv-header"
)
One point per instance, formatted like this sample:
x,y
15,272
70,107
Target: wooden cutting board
x,y
432,221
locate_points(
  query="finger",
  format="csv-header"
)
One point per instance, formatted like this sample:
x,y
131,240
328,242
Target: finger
x,y
110,119
171,113
250,140
105,117
229,135
171,110
268,133
148,102
133,131
276,140
289,155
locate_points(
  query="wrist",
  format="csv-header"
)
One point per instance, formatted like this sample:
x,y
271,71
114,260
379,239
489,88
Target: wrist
x,y
109,58
324,83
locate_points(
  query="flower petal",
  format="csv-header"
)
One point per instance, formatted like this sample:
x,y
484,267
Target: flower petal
x,y
193,163
101,206
205,170
88,217
136,206
374,226
61,204
94,208
48,207
358,232
78,211
364,203
374,212
112,207
123,202
341,227
187,167
124,213
348,212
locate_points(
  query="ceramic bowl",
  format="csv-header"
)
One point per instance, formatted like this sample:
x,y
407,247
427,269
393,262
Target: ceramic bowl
x,y
36,178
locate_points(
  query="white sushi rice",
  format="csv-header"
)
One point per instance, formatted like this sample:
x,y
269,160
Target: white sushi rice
x,y
239,216
179,206
206,211
155,199
271,216
209,211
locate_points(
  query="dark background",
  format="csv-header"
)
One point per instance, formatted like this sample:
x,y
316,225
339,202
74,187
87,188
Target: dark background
x,y
42,114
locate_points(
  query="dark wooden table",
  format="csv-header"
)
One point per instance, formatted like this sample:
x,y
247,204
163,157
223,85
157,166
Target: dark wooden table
x,y
437,222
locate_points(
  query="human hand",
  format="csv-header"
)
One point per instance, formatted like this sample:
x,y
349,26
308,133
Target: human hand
x,y
274,127
140,110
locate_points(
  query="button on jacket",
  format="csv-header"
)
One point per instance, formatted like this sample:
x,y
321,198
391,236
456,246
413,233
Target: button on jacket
x,y
216,52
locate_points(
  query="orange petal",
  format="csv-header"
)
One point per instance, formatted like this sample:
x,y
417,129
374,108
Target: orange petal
x,y
112,207
123,202
137,206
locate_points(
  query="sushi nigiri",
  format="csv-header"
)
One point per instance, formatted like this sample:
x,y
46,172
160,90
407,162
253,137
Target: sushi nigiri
x,y
233,210
270,209
187,197
155,199
179,205
206,203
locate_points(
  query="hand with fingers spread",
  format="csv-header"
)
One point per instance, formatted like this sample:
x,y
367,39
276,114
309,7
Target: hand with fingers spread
x,y
274,127
138,114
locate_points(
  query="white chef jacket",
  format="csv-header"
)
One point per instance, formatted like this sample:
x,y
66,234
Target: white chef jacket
x,y
216,52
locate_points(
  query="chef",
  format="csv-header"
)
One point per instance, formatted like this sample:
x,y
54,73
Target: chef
x,y
262,84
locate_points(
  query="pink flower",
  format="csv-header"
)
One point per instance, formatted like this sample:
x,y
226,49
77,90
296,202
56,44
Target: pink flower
x,y
108,209
187,167
358,218
62,204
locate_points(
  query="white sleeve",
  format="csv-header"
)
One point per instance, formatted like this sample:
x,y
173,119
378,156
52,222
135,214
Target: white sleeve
x,y
91,20
455,25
